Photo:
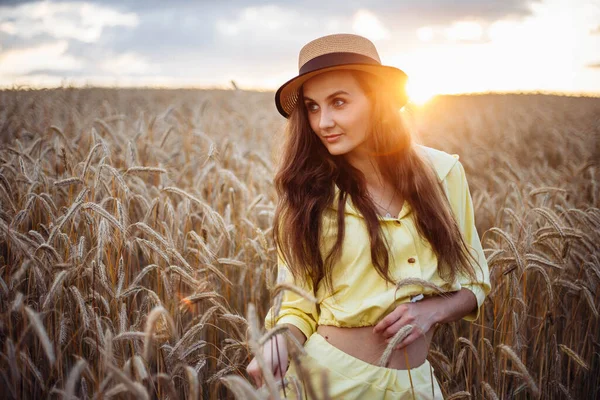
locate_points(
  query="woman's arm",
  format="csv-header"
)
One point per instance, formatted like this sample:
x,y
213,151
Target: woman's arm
x,y
296,310
424,314
454,306
461,203
462,304
275,353
297,334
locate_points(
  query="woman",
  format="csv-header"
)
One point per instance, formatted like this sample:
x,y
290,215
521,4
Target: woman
x,y
378,229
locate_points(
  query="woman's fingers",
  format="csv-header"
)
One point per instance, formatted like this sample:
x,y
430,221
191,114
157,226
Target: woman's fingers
x,y
278,377
276,363
390,319
254,371
393,329
414,335
258,380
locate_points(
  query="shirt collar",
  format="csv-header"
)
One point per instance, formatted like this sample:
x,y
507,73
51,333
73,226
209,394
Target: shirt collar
x,y
351,209
442,163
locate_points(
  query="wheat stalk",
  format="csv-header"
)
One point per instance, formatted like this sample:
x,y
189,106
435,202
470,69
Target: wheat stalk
x,y
74,376
145,170
135,387
153,316
521,367
58,280
240,387
396,339
33,369
194,385
459,395
574,356
38,327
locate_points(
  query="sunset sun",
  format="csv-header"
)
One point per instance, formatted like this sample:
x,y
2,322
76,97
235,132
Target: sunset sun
x,y
419,92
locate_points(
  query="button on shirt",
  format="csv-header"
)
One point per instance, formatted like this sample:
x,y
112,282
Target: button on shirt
x,y
361,297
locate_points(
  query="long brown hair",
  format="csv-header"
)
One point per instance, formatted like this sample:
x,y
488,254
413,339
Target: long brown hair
x,y
304,184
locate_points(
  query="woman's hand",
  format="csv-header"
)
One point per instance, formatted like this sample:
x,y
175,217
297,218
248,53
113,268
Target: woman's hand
x,y
275,354
421,315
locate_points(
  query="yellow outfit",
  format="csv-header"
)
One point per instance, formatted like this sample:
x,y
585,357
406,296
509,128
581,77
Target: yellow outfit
x,y
361,297
351,378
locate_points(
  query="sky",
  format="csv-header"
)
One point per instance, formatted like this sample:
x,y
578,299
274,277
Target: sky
x,y
444,46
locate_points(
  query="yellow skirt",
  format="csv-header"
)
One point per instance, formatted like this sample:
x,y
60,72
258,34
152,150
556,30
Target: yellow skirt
x,y
351,378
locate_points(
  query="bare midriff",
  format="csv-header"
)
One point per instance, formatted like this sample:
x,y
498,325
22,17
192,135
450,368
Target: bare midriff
x,y
367,346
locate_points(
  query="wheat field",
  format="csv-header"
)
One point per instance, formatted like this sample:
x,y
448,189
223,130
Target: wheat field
x,y
136,257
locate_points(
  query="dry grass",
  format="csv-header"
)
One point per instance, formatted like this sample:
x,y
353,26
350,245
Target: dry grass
x,y
136,258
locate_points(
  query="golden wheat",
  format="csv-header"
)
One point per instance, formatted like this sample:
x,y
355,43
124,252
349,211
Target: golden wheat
x,y
115,202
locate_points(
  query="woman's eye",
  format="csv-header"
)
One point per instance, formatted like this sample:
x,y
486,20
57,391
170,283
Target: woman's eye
x,y
338,102
312,107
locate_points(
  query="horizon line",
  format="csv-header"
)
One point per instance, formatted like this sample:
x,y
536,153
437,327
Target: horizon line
x,y
233,87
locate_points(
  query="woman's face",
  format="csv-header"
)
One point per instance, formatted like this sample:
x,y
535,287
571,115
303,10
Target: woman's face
x,y
338,111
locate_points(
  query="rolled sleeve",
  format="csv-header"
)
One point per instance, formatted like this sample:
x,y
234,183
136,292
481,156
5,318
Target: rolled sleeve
x,y
295,309
462,205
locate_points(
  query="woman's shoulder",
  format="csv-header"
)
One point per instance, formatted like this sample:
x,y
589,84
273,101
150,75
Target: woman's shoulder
x,y
441,161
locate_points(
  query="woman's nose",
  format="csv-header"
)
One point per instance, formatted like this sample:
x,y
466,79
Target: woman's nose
x,y
326,120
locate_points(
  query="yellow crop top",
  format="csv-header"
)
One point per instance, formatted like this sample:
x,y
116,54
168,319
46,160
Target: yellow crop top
x,y
361,297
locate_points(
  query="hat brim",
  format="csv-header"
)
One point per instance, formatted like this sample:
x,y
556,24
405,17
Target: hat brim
x,y
287,95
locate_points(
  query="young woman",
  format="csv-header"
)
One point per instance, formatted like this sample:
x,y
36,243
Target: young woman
x,y
378,229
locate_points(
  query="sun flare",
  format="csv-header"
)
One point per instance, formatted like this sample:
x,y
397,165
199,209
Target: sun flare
x,y
419,92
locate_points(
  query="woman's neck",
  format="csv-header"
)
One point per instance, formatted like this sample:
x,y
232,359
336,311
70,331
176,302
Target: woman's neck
x,y
368,166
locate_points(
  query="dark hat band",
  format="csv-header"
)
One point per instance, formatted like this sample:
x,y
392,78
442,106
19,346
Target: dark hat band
x,y
333,59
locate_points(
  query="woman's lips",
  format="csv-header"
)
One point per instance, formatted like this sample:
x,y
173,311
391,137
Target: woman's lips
x,y
332,138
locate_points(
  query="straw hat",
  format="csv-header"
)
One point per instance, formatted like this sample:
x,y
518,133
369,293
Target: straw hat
x,y
333,52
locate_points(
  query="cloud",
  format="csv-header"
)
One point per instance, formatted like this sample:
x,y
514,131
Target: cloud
x,y
548,50
127,64
271,34
50,56
367,24
266,39
262,20
83,21
271,25
465,31
425,12
256,43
